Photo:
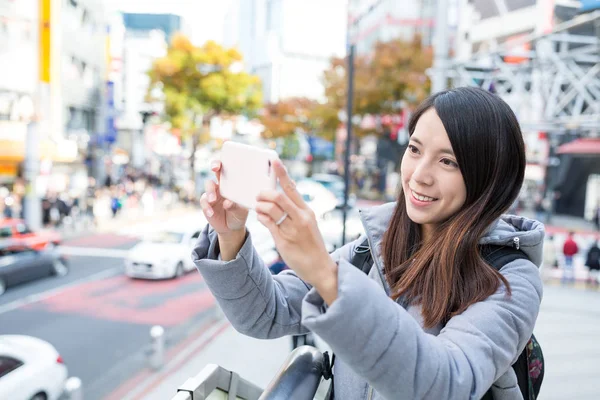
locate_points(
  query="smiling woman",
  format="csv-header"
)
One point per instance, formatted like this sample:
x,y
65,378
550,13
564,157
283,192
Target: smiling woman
x,y
431,318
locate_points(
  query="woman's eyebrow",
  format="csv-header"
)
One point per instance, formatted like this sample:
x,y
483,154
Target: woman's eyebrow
x,y
446,151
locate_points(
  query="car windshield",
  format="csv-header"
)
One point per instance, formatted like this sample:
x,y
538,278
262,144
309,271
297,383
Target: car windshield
x,y
165,237
333,186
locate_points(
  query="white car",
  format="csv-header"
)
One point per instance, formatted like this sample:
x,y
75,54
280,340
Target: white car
x,y
162,255
330,226
30,369
318,198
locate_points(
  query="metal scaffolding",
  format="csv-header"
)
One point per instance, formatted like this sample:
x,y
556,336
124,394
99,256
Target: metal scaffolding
x,y
555,86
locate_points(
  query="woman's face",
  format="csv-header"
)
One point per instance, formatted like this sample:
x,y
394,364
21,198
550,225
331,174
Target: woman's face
x,y
433,185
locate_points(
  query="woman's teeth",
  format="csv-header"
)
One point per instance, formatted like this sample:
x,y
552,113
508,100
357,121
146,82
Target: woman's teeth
x,y
422,198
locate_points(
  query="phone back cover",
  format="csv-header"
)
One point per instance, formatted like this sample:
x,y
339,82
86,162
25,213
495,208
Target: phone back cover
x,y
245,172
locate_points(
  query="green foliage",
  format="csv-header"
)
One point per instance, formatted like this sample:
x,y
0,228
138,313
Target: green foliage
x,y
201,82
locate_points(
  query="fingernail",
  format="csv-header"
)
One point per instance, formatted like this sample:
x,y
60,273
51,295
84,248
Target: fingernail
x,y
212,197
209,212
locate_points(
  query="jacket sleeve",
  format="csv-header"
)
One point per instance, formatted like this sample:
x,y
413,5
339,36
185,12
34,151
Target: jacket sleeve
x,y
382,343
256,303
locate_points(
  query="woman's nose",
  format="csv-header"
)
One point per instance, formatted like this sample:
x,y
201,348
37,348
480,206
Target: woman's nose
x,y
422,174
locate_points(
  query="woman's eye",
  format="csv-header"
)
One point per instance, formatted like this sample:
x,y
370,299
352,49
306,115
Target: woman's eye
x,y
412,149
449,163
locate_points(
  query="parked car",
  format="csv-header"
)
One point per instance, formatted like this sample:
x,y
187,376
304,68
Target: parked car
x,y
162,255
335,184
330,226
30,369
17,229
20,264
318,198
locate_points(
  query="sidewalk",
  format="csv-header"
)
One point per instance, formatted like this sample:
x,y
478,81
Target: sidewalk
x,y
257,361
567,328
124,221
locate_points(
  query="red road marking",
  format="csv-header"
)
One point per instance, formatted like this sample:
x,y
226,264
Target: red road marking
x,y
122,299
102,240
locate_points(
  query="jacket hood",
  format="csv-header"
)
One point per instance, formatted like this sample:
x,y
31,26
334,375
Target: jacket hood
x,y
529,233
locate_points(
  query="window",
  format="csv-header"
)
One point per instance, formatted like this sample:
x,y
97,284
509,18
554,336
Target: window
x,y
23,229
5,232
8,364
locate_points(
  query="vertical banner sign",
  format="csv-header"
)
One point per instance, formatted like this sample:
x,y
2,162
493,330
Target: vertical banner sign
x,y
45,38
111,130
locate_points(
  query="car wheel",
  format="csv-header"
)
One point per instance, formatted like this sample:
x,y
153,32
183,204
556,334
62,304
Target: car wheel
x,y
2,286
59,268
39,396
178,270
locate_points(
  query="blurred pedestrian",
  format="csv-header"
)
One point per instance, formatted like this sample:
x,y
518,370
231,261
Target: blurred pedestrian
x,y
592,262
570,249
596,217
425,316
550,260
278,265
540,211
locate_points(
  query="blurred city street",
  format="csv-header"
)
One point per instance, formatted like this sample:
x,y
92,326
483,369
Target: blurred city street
x,y
111,112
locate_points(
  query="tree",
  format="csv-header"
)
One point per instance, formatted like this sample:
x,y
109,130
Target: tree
x,y
283,118
394,72
199,83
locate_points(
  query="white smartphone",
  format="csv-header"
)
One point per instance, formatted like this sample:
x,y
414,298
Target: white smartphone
x,y
245,172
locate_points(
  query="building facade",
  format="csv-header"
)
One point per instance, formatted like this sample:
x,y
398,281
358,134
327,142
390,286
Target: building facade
x,y
386,20
18,77
71,97
287,43
80,83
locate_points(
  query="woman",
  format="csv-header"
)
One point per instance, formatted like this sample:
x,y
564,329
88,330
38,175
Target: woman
x,y
432,319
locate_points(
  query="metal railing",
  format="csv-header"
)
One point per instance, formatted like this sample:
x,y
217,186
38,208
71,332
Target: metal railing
x,y
298,378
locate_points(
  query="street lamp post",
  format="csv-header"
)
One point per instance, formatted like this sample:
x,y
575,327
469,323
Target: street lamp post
x,y
351,47
349,105
440,48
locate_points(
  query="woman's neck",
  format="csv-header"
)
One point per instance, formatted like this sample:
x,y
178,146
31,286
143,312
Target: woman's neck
x,y
427,231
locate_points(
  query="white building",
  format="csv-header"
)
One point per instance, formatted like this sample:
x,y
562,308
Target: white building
x,y
486,24
18,78
140,49
386,20
288,43
72,105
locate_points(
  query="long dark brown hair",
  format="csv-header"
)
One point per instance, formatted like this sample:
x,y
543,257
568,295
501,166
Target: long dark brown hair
x,y
447,274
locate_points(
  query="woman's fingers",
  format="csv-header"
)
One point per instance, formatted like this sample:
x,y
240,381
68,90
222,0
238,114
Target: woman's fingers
x,y
211,190
270,210
288,185
206,208
282,201
215,166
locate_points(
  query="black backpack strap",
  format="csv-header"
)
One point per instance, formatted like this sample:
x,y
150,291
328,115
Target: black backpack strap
x,y
499,256
362,258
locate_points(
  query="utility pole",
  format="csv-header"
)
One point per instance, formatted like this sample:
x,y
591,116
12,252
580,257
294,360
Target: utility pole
x,y
349,105
439,79
38,118
351,48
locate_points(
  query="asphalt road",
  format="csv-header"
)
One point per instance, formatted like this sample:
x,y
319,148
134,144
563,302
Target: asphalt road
x,y
98,319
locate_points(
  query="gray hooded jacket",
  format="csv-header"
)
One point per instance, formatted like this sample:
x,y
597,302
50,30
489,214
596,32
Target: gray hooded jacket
x,y
382,350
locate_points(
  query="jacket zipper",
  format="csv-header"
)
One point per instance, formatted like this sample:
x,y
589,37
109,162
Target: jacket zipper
x,y
370,396
516,243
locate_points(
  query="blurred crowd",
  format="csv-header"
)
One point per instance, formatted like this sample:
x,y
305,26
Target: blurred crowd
x,y
132,193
